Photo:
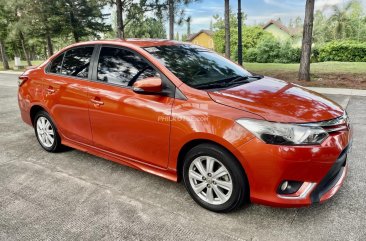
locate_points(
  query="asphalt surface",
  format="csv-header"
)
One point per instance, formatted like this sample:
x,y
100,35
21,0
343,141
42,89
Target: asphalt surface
x,y
74,195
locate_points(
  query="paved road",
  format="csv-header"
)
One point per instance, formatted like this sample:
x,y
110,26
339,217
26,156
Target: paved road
x,y
74,195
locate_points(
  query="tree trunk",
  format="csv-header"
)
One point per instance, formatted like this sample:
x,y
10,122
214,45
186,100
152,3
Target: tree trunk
x,y
171,19
227,29
3,55
73,23
120,27
304,72
45,51
49,46
240,37
26,53
189,27
76,36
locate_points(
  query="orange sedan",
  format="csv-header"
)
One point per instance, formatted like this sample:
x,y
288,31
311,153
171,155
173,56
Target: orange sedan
x,y
185,113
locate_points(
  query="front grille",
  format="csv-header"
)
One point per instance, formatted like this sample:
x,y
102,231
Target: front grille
x,y
341,123
331,178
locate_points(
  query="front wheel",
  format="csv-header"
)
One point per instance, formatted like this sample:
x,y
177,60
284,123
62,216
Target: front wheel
x,y
214,178
46,132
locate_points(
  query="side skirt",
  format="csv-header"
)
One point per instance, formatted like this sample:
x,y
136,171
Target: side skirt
x,y
165,173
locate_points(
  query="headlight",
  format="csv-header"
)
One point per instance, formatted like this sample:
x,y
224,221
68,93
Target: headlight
x,y
284,134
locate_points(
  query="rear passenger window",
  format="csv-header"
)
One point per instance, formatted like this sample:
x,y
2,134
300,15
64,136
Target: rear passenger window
x,y
56,64
77,61
122,67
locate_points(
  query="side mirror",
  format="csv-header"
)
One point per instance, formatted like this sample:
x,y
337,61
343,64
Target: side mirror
x,y
148,86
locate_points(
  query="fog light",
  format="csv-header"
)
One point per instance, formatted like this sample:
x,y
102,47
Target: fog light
x,y
284,185
289,187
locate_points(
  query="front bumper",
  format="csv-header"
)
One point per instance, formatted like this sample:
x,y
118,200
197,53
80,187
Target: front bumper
x,y
322,168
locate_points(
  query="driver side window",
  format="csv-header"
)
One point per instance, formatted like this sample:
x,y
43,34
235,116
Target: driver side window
x,y
122,67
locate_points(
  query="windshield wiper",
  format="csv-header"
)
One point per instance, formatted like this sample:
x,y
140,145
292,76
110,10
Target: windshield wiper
x,y
238,79
212,85
223,83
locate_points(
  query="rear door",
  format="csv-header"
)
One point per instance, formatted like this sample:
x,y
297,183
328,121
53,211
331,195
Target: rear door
x,y
65,94
128,124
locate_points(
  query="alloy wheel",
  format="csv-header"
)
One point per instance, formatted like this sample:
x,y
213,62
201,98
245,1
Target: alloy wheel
x,y
45,132
210,180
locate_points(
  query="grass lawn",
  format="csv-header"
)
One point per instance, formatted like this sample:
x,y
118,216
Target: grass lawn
x,y
317,68
11,64
327,74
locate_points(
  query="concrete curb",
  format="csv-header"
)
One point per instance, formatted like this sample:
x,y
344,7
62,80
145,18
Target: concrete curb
x,y
11,72
338,91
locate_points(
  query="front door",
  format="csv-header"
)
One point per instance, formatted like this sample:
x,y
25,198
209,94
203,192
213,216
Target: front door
x,y
132,125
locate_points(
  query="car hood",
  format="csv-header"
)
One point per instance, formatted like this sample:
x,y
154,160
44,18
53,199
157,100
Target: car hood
x,y
277,100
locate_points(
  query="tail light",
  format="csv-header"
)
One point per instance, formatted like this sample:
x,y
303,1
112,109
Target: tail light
x,y
22,79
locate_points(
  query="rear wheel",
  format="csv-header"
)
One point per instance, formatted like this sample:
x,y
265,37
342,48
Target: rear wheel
x,y
46,132
214,178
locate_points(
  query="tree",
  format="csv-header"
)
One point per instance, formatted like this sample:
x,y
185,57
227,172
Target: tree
x,y
304,71
188,20
45,22
253,35
341,19
3,34
227,29
83,18
171,9
18,26
175,7
240,44
145,27
128,10
344,22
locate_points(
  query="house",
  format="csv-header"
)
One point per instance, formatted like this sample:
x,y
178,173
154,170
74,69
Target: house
x,y
202,38
283,33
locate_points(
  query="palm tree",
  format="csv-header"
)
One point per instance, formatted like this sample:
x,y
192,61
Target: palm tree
x,y
307,39
341,19
227,29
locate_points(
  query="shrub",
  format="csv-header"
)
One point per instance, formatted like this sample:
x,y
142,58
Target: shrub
x,y
272,51
289,54
344,51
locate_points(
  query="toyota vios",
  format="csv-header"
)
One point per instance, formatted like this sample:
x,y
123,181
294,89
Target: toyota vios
x,y
185,113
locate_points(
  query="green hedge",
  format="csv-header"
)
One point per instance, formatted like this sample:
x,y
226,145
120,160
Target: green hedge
x,y
272,51
344,51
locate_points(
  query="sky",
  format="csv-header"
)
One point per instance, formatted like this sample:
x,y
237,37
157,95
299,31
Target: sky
x,y
258,11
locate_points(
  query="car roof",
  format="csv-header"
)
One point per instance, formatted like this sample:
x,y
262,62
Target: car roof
x,y
133,41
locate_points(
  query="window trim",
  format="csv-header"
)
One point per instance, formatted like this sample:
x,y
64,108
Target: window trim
x,y
47,68
171,89
168,85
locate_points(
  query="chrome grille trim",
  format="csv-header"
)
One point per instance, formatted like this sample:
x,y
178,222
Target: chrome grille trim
x,y
341,120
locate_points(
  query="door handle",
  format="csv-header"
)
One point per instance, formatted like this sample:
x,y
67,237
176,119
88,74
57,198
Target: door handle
x,y
97,102
51,90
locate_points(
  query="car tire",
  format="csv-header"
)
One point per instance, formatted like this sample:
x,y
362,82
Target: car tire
x,y
46,132
217,196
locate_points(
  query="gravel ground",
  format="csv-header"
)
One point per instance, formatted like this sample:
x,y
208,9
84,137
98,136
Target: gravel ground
x,y
74,195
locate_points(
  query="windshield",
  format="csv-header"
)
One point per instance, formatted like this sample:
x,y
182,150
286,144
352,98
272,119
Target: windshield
x,y
198,67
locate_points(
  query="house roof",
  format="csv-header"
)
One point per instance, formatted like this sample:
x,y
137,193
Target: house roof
x,y
192,36
291,31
